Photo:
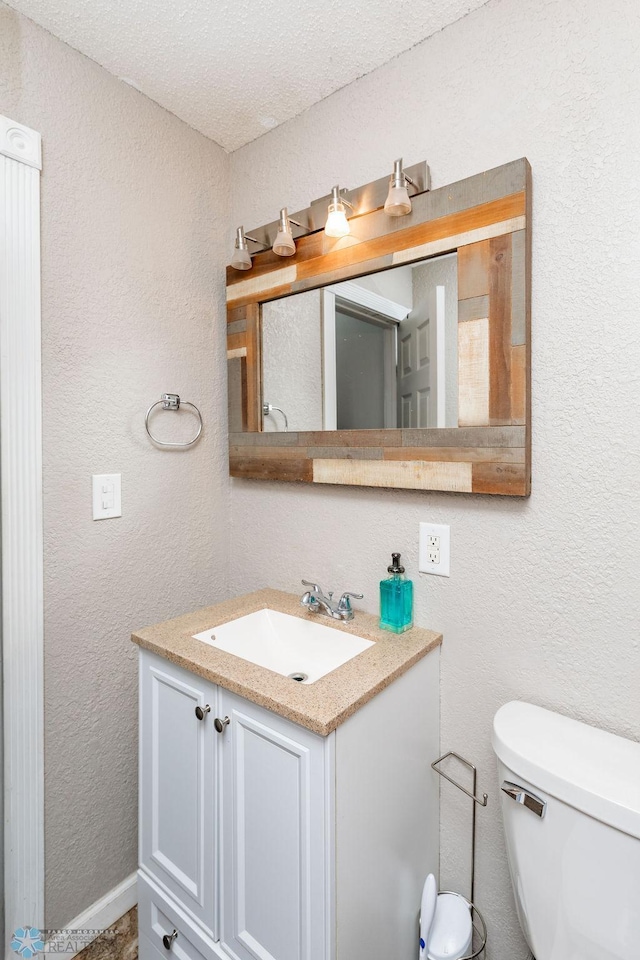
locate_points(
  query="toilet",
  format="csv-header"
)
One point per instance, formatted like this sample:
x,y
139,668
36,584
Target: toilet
x,y
570,798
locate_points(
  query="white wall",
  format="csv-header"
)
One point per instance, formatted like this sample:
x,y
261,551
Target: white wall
x,y
543,602
133,220
292,361
393,284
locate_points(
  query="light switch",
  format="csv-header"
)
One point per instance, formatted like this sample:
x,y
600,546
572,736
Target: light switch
x,y
107,497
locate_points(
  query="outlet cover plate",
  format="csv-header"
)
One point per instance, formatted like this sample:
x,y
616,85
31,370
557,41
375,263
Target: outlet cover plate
x,y
425,564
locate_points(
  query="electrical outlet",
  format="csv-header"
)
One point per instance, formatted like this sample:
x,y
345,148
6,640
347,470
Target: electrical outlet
x,y
434,551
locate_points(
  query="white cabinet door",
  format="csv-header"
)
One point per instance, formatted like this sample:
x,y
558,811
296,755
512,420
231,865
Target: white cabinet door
x,y
276,836
178,785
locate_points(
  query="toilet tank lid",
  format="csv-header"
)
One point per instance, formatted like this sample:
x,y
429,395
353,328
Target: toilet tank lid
x,y
589,769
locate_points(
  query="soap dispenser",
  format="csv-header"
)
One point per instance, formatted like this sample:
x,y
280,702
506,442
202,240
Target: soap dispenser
x,y
396,599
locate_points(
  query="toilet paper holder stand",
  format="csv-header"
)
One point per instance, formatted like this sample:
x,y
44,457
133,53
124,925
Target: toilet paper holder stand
x,y
481,928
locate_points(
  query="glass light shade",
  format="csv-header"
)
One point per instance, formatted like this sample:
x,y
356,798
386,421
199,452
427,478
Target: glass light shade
x,y
397,203
241,259
337,224
284,244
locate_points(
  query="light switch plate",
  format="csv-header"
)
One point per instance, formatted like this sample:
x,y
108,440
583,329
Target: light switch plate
x,y
434,551
107,496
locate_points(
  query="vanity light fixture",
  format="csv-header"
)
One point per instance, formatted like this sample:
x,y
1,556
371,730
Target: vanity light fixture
x,y
284,245
241,259
398,202
367,198
337,224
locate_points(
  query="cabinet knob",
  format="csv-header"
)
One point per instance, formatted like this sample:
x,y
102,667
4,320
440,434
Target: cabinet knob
x,y
221,724
201,712
168,939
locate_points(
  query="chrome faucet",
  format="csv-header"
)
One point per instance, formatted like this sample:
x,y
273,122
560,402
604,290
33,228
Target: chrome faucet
x,y
316,602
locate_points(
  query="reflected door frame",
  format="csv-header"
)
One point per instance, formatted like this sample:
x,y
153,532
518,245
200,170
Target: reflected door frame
x,y
354,294
438,352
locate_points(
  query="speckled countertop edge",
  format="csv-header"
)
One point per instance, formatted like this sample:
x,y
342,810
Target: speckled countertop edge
x,y
321,706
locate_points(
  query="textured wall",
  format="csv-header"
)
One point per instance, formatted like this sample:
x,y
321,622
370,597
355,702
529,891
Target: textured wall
x,y
394,284
292,361
543,600
133,216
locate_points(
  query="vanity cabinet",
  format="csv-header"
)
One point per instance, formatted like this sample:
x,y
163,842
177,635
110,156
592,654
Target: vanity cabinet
x,y
261,840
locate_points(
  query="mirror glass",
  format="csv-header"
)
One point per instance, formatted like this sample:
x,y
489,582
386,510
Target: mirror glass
x,y
367,354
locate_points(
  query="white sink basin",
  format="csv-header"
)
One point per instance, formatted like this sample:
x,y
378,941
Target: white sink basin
x,y
288,645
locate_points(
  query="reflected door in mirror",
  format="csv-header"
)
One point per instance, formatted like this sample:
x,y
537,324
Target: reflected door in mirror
x,y
378,352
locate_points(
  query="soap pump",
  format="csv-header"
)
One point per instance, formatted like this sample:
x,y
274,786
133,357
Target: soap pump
x,y
396,599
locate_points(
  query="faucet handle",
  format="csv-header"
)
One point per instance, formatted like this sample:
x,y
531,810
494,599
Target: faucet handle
x,y
343,602
314,586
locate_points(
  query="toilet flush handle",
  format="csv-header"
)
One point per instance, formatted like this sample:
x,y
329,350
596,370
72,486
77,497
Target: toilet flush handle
x,y
522,795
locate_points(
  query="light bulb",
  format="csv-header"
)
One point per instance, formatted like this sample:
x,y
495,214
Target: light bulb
x,y
337,224
241,259
398,203
284,244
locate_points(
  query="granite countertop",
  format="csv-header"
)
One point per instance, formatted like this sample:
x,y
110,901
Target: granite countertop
x,y
321,706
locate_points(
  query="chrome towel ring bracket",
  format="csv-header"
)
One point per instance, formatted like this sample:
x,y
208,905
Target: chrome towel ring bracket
x,y
171,401
267,408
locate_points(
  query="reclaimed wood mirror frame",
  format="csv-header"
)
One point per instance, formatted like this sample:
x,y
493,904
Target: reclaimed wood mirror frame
x,y
487,220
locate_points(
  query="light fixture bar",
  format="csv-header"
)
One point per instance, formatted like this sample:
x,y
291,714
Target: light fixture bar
x,y
364,199
301,225
255,240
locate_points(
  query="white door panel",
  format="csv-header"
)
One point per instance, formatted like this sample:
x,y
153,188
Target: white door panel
x,y
274,837
177,785
421,375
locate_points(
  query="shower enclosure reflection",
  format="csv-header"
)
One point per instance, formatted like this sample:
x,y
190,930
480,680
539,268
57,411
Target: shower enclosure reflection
x,y
376,352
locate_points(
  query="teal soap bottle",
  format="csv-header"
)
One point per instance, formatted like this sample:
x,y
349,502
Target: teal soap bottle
x,y
396,599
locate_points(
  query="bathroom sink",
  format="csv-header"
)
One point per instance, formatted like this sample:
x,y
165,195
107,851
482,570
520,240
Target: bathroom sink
x,y
293,647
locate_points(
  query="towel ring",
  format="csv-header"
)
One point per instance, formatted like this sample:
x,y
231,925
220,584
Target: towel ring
x,y
171,401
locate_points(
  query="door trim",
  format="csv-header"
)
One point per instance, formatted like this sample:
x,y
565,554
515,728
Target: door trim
x,y
352,291
22,537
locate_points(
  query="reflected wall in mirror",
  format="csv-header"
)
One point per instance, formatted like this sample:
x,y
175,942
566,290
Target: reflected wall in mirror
x,y
398,356
367,354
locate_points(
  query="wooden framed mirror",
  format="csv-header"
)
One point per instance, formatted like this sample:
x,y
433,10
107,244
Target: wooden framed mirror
x,y
484,445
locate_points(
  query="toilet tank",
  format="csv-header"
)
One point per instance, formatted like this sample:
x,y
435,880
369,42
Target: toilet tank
x,y
575,869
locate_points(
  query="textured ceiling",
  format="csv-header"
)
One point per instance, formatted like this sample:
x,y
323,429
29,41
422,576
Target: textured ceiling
x,y
234,69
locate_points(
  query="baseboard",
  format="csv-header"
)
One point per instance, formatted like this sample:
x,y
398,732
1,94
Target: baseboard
x,y
100,915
